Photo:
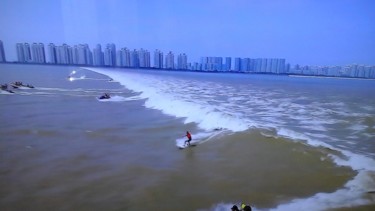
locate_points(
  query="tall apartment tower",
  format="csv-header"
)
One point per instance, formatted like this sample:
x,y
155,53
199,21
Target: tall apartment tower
x,y
82,54
134,59
52,53
38,53
27,51
144,58
64,54
281,67
20,53
110,55
124,57
23,52
98,56
2,52
182,61
158,59
169,60
237,64
228,63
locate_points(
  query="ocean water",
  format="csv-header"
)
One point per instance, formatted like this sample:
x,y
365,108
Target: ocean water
x,y
274,142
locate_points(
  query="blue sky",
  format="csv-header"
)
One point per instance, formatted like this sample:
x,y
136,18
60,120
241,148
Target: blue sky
x,y
306,32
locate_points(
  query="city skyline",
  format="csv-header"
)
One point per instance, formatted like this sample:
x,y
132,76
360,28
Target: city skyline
x,y
335,32
110,57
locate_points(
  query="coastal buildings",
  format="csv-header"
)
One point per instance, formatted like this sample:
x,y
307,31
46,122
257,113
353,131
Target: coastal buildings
x,y
144,58
182,63
123,57
52,53
158,59
81,54
169,60
260,65
351,71
23,52
2,52
110,55
38,53
98,56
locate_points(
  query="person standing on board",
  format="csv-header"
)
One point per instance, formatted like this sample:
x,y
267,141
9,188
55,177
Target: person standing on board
x,y
188,135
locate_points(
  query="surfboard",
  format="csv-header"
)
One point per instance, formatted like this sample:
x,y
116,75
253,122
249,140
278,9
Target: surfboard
x,y
187,146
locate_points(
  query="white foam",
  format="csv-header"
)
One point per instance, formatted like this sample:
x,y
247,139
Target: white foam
x,y
119,99
158,97
5,92
174,97
349,196
70,78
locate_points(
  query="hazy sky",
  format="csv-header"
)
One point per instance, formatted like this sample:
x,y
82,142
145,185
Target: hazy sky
x,y
311,32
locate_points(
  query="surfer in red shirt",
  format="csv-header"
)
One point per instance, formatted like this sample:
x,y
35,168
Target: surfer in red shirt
x,y
188,135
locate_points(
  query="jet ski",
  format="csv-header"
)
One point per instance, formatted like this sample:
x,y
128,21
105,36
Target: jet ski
x,y
105,96
19,84
30,86
4,87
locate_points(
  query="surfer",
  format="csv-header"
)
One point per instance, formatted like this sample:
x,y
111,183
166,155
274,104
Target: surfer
x,y
188,135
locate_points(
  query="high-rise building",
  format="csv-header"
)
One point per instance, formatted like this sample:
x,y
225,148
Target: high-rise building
x,y
38,53
82,54
273,68
52,53
245,63
98,56
111,49
125,57
64,54
110,55
258,65
20,53
212,63
158,59
134,59
253,65
263,67
2,52
23,52
237,64
144,58
228,64
27,52
281,68
182,61
169,60
119,62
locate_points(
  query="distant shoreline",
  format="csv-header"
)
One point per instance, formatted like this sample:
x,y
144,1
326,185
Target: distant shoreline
x,y
200,71
333,77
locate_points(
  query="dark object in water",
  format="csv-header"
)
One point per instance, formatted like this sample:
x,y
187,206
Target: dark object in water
x,y
105,96
19,84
